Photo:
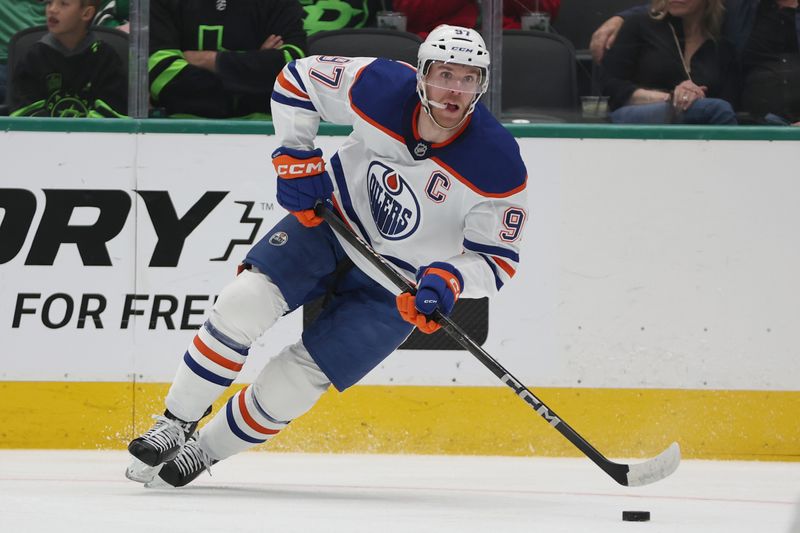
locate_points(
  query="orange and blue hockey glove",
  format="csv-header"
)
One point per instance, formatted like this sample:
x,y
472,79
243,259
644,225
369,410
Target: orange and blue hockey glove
x,y
302,181
438,287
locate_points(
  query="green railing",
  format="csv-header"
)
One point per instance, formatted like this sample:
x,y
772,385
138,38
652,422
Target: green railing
x,y
567,131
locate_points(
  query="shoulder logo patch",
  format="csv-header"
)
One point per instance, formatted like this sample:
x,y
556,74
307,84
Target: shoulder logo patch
x,y
278,238
394,207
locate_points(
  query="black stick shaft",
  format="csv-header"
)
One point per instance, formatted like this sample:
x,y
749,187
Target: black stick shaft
x,y
615,470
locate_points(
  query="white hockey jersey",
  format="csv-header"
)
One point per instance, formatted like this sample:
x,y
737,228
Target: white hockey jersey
x,y
462,201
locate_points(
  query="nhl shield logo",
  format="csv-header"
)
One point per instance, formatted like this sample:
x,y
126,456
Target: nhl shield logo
x,y
278,238
421,149
393,204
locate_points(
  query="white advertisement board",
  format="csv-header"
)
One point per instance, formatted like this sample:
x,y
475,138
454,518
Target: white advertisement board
x,y
665,264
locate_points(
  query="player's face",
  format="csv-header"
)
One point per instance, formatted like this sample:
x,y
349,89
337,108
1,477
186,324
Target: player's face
x,y
454,86
67,16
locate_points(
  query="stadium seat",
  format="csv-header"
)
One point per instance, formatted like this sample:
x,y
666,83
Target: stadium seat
x,y
577,19
21,42
370,42
539,80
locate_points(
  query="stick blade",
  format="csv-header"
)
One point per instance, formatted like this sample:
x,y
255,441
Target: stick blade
x,y
655,469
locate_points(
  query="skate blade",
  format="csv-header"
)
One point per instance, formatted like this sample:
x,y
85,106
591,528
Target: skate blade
x,y
158,483
141,472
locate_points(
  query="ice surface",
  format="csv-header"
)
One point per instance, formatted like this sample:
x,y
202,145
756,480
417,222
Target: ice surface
x,y
71,491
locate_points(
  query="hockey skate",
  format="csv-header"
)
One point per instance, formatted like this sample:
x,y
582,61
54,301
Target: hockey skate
x,y
160,444
190,462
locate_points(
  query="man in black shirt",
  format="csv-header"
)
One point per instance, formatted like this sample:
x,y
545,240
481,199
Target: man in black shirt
x,y
220,58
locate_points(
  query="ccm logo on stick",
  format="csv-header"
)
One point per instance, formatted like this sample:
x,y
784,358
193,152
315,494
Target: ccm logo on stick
x,y
534,402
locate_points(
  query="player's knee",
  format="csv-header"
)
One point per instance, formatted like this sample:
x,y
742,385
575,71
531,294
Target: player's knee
x,y
247,307
290,384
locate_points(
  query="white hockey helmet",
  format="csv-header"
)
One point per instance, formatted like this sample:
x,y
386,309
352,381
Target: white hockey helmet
x,y
453,44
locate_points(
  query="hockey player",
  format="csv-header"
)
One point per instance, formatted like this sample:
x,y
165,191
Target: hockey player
x,y
428,177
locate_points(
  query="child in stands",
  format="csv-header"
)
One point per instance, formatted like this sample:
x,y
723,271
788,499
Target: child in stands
x,y
69,72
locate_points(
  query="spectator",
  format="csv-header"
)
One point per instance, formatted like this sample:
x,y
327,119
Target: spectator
x,y
69,72
219,59
736,26
329,15
771,64
761,35
669,66
15,17
424,15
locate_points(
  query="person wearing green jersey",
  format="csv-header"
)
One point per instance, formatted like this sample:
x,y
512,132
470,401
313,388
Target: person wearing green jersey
x,y
329,15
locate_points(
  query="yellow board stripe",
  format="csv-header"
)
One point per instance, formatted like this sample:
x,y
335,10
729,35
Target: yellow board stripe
x,y
633,423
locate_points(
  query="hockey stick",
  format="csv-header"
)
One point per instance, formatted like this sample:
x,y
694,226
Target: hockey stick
x,y
632,475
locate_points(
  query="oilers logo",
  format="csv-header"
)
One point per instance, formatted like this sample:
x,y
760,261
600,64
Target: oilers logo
x,y
279,238
394,207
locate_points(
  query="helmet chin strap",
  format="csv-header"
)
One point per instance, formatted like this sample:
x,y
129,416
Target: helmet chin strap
x,y
426,105
441,106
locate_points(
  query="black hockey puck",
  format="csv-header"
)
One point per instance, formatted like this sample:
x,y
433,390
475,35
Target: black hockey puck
x,y
636,516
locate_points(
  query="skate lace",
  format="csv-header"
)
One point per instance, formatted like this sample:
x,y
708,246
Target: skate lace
x,y
164,434
192,459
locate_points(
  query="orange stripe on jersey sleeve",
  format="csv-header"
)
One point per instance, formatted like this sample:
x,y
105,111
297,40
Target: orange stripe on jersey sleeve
x,y
286,84
249,419
412,67
505,266
472,186
363,115
214,356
